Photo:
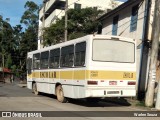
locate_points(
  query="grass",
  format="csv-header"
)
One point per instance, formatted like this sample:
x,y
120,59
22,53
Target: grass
x,y
141,103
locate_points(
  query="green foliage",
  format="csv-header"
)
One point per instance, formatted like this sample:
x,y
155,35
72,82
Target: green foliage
x,y
30,16
6,43
8,62
80,22
15,43
28,39
14,70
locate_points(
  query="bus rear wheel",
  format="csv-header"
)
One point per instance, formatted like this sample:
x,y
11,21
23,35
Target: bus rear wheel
x,y
60,94
34,89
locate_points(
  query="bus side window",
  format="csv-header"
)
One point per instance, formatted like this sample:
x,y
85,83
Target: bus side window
x,y
67,56
54,58
80,51
36,61
44,59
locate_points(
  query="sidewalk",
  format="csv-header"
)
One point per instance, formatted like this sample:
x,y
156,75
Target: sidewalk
x,y
131,102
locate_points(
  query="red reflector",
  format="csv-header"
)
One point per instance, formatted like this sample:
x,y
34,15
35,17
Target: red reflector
x,y
92,82
131,83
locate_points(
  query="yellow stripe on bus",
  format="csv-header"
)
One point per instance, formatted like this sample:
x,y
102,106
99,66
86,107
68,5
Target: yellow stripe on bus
x,y
86,74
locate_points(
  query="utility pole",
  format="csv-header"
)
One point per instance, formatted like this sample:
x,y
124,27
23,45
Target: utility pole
x,y
143,73
154,54
66,20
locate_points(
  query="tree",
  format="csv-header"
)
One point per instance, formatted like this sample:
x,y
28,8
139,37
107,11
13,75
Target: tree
x,y
6,43
29,37
30,16
15,53
80,22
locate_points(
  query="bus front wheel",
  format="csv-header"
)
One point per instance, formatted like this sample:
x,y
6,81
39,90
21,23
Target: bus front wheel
x,y
60,94
34,88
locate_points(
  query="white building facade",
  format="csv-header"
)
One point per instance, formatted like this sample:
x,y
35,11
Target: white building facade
x,y
130,20
53,9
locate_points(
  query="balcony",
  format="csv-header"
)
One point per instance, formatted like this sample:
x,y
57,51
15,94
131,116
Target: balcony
x,y
52,5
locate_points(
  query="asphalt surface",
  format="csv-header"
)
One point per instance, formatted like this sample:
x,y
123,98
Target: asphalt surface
x,y
16,98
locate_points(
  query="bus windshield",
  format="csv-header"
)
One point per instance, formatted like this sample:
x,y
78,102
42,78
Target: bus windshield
x,y
113,51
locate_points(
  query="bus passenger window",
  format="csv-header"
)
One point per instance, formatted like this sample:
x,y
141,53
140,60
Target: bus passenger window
x,y
44,59
54,58
67,56
80,51
36,61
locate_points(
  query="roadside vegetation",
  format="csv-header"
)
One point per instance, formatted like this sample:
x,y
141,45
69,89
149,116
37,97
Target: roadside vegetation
x,y
16,41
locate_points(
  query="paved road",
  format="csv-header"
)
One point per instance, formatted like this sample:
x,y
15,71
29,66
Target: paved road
x,y
15,98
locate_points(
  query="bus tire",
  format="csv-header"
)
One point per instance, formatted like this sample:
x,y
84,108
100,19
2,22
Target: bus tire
x,y
34,89
60,94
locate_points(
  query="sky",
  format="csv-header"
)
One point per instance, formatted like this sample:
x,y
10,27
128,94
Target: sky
x,y
14,9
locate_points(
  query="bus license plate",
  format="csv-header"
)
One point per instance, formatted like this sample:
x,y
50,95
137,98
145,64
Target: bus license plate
x,y
112,82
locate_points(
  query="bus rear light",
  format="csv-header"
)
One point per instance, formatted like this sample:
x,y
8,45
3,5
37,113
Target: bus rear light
x,y
92,82
131,83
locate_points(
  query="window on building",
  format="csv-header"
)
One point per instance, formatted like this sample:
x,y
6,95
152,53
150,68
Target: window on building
x,y
134,18
80,51
77,6
115,25
36,61
44,59
54,58
67,56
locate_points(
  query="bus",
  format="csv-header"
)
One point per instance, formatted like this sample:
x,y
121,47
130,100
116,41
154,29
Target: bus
x,y
93,66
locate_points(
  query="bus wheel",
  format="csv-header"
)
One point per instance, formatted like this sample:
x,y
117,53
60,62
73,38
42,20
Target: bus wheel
x,y
34,89
60,94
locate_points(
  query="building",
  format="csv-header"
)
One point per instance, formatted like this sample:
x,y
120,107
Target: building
x,y
132,19
53,9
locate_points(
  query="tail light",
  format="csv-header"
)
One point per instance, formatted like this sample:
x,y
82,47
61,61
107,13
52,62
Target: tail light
x,y
131,83
92,82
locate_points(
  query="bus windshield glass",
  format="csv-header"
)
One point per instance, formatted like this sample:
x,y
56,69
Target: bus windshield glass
x,y
113,51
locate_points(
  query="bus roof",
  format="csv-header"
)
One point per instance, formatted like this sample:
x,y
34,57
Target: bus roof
x,y
81,39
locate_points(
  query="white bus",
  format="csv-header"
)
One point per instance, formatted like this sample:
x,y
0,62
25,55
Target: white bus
x,y
88,67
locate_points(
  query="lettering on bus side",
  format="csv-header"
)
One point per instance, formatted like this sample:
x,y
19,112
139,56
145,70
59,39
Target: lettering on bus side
x,y
44,74
127,75
51,75
94,73
54,74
